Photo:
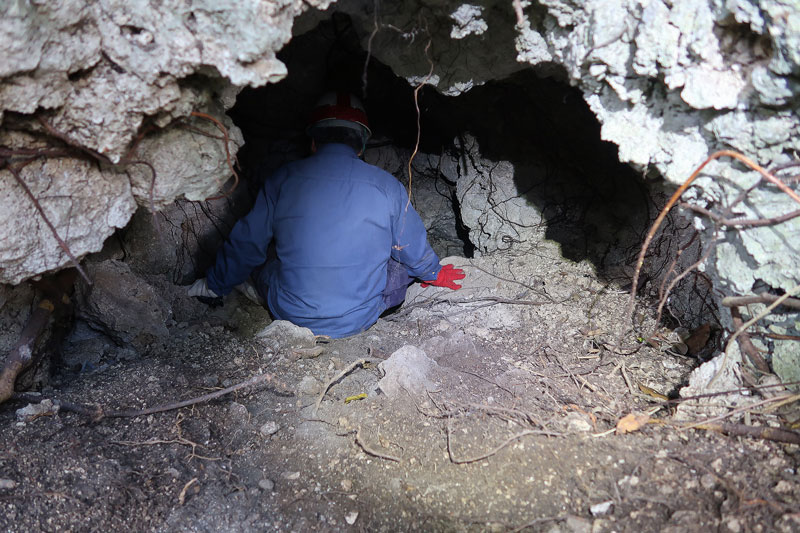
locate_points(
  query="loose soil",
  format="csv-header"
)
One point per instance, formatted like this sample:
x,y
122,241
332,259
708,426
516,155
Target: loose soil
x,y
514,432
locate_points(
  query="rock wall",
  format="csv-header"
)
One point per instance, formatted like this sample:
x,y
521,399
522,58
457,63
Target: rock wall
x,y
118,79
671,82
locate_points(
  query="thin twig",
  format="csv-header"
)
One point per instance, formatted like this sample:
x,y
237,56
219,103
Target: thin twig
x,y
372,35
762,298
758,432
663,300
336,378
744,408
791,292
679,192
182,495
373,452
741,222
419,128
747,345
98,413
496,449
224,131
255,380
519,13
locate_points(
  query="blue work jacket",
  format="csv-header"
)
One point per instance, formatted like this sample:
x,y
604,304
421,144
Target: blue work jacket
x,y
336,221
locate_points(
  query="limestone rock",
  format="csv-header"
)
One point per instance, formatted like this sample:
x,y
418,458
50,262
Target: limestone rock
x,y
113,76
187,164
106,64
407,369
123,305
282,335
497,215
84,203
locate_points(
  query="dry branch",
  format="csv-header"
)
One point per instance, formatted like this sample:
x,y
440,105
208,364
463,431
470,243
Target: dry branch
x,y
496,449
370,451
228,157
763,298
419,127
741,222
758,432
747,346
791,292
97,412
63,245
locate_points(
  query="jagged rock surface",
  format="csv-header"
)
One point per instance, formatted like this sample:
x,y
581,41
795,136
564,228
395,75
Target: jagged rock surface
x,y
670,83
110,76
85,204
123,305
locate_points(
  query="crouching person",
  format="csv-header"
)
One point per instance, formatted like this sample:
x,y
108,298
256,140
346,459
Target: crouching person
x,y
347,239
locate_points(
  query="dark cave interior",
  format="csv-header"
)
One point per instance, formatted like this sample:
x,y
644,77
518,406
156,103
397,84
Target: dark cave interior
x,y
595,207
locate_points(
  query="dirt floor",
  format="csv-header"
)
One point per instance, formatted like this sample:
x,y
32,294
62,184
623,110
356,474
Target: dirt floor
x,y
498,414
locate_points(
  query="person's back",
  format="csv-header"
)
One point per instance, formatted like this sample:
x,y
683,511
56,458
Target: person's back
x,y
348,242
336,220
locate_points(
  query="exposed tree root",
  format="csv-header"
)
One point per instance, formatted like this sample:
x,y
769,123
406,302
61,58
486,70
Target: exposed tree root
x,y
97,412
757,432
228,157
63,245
55,300
724,220
27,155
337,377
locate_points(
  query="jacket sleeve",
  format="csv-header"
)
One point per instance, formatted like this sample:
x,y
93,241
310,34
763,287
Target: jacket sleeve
x,y
246,246
410,239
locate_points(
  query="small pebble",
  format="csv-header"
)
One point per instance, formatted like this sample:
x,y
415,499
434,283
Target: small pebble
x,y
733,525
270,428
238,411
351,517
707,481
578,524
266,485
7,484
347,485
600,509
308,386
291,476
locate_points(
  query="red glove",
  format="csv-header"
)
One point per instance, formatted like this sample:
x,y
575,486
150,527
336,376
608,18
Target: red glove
x,y
446,278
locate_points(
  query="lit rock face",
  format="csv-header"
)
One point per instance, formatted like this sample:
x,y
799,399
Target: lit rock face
x,y
85,203
497,215
670,81
120,78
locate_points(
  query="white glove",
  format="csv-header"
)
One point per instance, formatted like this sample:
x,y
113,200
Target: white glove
x,y
200,288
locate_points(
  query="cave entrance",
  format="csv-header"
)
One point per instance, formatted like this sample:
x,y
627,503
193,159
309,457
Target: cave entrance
x,y
496,168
